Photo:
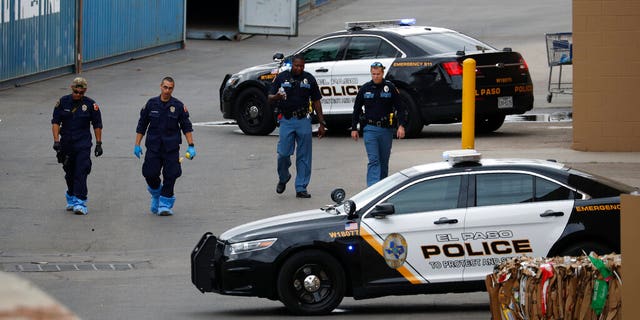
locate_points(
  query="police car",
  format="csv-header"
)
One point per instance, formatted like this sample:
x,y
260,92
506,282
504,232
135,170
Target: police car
x,y
432,228
424,63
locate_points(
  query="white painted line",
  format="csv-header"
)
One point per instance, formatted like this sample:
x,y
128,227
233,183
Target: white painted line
x,y
215,123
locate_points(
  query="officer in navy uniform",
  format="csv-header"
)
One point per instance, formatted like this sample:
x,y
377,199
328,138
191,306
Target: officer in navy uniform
x,y
161,119
291,92
72,117
382,112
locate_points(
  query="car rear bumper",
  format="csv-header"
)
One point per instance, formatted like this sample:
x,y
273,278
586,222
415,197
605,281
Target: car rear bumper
x,y
449,110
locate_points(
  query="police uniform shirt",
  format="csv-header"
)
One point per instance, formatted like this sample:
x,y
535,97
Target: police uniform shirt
x,y
299,90
75,118
379,100
162,122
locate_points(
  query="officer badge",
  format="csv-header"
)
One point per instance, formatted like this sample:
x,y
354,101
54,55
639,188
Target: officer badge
x,y
172,109
84,107
395,250
305,81
386,88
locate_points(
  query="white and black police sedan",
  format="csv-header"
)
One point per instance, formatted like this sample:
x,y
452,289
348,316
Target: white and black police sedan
x,y
433,228
423,62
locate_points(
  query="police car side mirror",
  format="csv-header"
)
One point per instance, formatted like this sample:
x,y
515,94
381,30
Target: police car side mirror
x,y
350,209
382,210
278,56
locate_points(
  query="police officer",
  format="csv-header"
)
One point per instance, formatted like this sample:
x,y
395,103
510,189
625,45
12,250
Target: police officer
x,y
382,112
72,116
162,118
291,92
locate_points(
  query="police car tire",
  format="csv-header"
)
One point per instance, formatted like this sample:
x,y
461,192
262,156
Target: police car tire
x,y
311,263
414,120
488,124
580,248
336,125
250,101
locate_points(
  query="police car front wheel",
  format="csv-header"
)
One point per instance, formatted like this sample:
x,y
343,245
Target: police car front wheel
x,y
311,282
253,113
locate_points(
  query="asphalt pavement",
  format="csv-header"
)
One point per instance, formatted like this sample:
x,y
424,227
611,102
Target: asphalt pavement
x,y
139,262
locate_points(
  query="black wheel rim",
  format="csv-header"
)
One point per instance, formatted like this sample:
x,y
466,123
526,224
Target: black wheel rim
x,y
252,112
311,284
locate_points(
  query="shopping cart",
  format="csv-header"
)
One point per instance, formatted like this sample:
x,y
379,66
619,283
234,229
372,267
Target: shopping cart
x,y
559,54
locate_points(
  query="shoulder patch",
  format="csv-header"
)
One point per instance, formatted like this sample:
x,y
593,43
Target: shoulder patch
x,y
57,104
96,107
185,108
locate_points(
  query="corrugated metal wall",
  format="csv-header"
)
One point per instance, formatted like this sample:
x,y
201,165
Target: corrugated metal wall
x,y
36,36
115,27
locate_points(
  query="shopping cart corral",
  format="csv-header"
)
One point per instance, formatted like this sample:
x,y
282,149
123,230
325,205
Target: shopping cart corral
x,y
559,54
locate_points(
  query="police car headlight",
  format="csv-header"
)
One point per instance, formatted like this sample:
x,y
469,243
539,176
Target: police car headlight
x,y
254,245
234,80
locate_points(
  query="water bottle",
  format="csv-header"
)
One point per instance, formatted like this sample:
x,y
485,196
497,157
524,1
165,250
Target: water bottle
x,y
284,93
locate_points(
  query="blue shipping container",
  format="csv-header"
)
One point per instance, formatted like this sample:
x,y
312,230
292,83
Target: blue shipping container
x,y
36,36
121,27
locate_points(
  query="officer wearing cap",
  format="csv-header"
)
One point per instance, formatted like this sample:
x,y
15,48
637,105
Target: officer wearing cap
x,y
291,92
162,119
72,141
382,113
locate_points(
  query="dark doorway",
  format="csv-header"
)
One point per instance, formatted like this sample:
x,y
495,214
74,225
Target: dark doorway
x,y
216,20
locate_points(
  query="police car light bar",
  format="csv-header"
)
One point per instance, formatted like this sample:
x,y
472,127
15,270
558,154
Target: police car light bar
x,y
378,23
463,155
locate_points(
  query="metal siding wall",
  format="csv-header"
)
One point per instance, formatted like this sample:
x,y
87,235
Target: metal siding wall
x,y
36,36
114,27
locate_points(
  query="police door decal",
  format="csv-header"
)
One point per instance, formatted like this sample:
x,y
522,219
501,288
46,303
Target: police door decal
x,y
395,255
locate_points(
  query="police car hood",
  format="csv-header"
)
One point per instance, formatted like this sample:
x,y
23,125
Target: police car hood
x,y
259,69
292,222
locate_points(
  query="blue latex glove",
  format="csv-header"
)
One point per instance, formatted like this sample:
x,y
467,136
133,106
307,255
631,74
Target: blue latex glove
x,y
192,152
137,151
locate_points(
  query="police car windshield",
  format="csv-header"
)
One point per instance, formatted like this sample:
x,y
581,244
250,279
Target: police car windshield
x,y
447,42
368,194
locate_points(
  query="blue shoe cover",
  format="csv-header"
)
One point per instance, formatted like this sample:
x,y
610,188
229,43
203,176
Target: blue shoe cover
x,y
71,201
80,207
155,199
165,206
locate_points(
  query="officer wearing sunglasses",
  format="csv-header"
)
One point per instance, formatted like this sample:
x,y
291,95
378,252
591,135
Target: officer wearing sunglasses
x,y
72,117
378,110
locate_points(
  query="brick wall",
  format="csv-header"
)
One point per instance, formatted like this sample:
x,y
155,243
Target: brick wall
x,y
606,75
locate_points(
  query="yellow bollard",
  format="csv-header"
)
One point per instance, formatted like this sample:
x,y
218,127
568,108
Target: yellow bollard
x,y
468,103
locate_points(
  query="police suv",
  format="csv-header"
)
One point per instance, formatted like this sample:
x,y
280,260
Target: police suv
x,y
433,228
424,63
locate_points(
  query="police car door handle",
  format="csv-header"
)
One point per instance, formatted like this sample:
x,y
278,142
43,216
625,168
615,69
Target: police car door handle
x,y
323,69
550,213
445,220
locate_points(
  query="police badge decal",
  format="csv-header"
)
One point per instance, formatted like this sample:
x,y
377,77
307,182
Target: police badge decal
x,y
395,250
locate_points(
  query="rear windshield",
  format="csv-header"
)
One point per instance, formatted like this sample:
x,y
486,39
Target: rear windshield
x,y
598,186
447,42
